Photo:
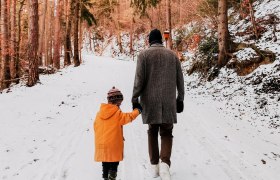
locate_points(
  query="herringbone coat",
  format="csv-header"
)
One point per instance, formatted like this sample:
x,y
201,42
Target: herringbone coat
x,y
158,75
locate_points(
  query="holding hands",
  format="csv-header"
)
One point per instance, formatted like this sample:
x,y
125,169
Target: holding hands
x,y
137,106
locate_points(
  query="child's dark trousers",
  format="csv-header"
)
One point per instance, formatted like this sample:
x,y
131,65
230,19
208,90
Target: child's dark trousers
x,y
109,166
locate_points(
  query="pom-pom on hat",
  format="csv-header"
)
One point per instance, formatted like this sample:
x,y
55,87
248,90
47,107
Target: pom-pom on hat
x,y
114,96
155,37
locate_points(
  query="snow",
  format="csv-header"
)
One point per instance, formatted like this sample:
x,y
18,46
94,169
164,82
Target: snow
x,y
241,97
267,7
245,54
46,131
263,9
108,46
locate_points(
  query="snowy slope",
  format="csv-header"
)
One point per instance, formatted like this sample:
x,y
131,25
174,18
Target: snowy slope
x,y
252,98
46,132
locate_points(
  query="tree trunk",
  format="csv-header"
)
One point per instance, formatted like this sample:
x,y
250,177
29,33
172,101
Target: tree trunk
x,y
253,21
47,35
5,57
169,23
50,42
13,69
57,37
180,11
67,41
0,43
119,37
76,33
33,43
131,37
159,18
80,39
18,38
42,33
223,33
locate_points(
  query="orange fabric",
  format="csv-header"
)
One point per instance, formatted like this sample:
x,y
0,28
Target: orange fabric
x,y
109,133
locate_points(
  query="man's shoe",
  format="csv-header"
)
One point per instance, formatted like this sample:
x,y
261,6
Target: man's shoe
x,y
164,171
154,170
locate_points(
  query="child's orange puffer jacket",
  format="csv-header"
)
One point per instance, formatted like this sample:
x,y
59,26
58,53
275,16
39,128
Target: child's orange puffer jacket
x,y
109,134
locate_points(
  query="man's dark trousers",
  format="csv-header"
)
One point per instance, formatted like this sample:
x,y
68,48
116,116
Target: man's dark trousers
x,y
165,131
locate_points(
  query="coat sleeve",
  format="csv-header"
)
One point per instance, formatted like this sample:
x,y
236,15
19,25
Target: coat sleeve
x,y
139,78
180,81
128,117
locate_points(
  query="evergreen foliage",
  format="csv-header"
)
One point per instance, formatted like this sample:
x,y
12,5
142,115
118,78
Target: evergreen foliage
x,y
142,5
210,7
209,46
105,8
179,38
86,15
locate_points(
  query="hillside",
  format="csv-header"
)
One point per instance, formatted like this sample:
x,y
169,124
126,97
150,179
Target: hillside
x,y
248,86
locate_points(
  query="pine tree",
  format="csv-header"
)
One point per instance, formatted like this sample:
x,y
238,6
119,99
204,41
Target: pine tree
x,y
67,41
33,42
169,23
5,54
57,39
76,32
141,6
223,33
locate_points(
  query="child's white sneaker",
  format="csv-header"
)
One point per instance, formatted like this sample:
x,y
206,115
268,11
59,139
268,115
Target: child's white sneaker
x,y
164,171
154,170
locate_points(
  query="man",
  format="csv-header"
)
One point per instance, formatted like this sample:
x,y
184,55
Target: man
x,y
158,74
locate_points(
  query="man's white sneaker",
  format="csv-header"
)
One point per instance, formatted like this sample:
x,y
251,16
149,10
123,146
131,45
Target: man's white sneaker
x,y
164,171
154,170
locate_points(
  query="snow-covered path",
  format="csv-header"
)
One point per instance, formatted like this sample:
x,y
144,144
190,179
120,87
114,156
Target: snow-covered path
x,y
46,132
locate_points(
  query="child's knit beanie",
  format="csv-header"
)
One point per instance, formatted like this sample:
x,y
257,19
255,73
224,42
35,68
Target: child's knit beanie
x,y
114,96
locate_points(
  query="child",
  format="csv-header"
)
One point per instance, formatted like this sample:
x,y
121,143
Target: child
x,y
109,133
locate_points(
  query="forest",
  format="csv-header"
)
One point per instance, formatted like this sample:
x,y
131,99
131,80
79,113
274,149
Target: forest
x,y
42,36
60,60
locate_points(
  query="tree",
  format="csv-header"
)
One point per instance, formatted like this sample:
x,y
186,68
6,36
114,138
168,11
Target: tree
x,y
14,64
141,6
67,41
76,32
78,11
0,43
33,42
247,8
169,23
5,54
57,39
17,50
223,33
86,15
43,33
117,24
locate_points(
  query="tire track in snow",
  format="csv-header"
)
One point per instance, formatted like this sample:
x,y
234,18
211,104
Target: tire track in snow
x,y
63,150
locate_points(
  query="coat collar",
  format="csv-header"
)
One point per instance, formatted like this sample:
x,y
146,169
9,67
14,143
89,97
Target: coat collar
x,y
157,45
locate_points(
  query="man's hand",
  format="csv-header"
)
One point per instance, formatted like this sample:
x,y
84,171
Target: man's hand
x,y
180,106
137,106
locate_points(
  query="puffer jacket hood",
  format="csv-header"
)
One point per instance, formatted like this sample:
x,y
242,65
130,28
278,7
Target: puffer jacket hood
x,y
107,111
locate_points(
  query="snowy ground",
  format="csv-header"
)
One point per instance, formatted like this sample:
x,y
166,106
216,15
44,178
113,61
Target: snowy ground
x,y
46,132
